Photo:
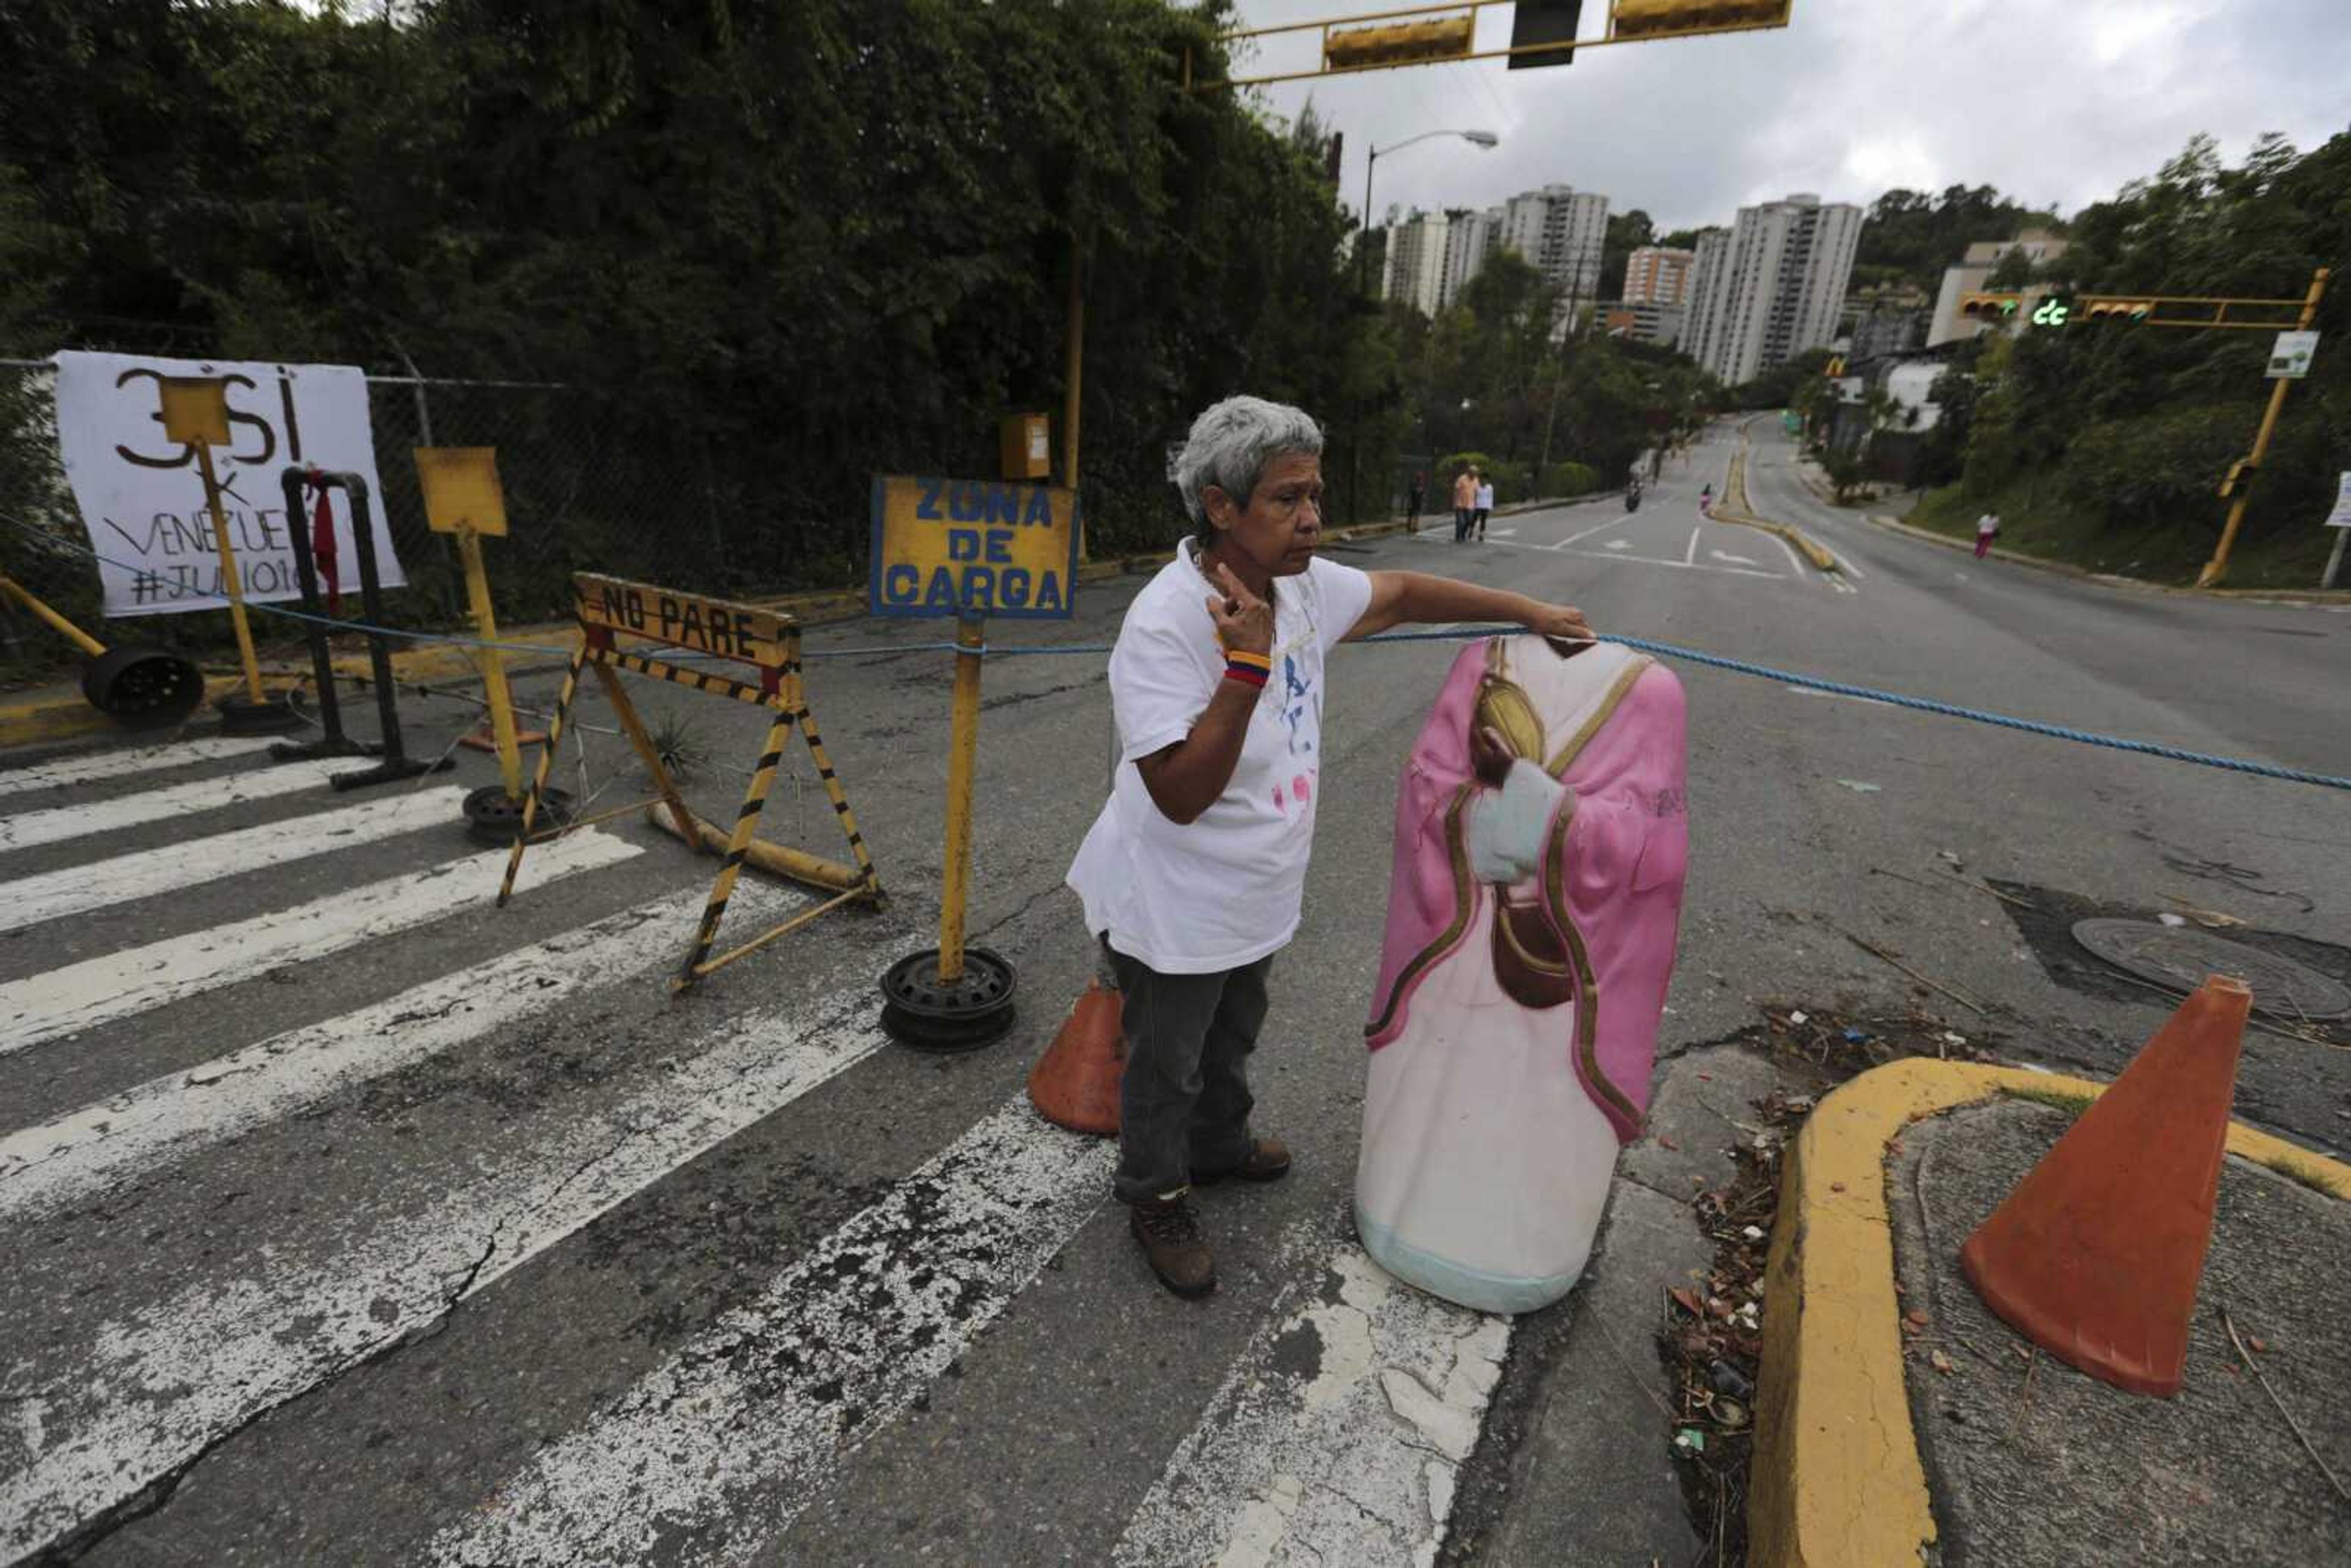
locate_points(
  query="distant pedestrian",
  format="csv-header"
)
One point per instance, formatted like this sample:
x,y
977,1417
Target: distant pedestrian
x,y
1706,501
1412,499
1465,502
1485,503
1985,526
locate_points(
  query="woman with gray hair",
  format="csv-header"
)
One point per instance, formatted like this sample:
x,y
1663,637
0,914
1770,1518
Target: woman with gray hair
x,y
1194,874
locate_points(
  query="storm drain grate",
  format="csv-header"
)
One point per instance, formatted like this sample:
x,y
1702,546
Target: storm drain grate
x,y
2179,957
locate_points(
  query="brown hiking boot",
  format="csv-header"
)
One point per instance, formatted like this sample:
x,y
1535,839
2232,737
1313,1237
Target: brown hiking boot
x,y
1268,1160
1170,1236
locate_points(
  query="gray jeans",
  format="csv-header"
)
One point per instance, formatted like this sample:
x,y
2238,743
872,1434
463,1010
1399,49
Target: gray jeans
x,y
1183,1100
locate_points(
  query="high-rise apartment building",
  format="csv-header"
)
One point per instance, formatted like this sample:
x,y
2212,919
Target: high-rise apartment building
x,y
1416,267
1771,286
1658,275
1469,238
1561,230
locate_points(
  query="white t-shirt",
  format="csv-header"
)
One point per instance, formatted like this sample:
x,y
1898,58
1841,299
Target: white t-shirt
x,y
1987,524
1486,496
1224,890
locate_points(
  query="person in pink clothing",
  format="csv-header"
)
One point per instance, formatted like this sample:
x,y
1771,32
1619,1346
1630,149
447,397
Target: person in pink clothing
x,y
1540,842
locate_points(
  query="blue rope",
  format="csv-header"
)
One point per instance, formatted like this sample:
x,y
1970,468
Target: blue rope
x,y
1663,650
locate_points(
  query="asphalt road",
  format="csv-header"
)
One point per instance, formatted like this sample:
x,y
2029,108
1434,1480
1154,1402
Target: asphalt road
x,y
351,1219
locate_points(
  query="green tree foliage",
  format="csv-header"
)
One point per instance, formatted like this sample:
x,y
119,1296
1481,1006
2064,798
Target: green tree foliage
x,y
1915,235
1626,233
2137,424
780,245
1489,380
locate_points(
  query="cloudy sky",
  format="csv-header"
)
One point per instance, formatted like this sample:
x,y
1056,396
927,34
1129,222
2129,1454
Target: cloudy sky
x,y
2056,101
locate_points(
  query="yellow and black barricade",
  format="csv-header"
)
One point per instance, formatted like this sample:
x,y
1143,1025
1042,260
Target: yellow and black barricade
x,y
768,642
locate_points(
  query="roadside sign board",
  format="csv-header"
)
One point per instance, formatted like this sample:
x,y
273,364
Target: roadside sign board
x,y
2290,356
2340,518
719,626
948,548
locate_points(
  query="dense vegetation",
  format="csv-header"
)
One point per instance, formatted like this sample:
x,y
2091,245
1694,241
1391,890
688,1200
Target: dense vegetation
x,y
2108,443
776,245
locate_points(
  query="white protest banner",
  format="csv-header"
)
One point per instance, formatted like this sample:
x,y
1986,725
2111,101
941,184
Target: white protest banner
x,y
2340,518
142,499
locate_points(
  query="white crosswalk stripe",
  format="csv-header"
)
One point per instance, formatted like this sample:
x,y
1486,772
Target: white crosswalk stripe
x,y
167,868
167,1118
122,763
118,984
1356,1464
155,1386
58,823
724,1445
141,1358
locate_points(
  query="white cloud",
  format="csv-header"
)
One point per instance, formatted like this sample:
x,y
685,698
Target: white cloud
x,y
2054,101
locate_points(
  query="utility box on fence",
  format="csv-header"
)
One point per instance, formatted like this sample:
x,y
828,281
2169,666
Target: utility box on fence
x,y
1025,447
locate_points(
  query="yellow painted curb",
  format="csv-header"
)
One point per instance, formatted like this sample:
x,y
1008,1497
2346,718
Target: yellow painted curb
x,y
1736,484
72,718
1836,1481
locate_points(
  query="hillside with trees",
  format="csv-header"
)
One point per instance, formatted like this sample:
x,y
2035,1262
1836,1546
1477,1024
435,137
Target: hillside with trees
x,y
2106,445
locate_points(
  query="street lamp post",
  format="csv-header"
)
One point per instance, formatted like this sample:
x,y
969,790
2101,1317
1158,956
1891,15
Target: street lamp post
x,y
1485,138
1482,138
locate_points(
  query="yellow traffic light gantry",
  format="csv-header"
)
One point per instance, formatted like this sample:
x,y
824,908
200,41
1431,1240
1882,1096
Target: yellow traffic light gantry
x,y
1440,34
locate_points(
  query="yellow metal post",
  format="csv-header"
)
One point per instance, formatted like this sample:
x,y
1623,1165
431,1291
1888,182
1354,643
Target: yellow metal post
x,y
228,575
56,622
494,670
2218,567
961,760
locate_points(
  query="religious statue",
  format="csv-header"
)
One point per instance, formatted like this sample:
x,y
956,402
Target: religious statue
x,y
1541,841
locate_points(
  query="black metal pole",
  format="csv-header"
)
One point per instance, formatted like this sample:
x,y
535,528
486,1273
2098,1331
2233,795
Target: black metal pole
x,y
397,763
332,742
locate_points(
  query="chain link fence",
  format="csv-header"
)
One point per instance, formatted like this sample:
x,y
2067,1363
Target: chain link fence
x,y
586,489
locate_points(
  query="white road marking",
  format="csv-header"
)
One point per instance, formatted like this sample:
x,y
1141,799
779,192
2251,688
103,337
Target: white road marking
x,y
1840,584
1790,551
1600,528
1845,562
169,1118
1603,554
1842,696
116,764
174,1376
1690,556
118,984
1355,1465
1724,555
59,823
77,890
719,1451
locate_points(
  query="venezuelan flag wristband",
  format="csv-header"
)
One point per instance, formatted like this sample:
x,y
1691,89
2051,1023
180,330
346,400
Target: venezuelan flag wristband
x,y
1250,669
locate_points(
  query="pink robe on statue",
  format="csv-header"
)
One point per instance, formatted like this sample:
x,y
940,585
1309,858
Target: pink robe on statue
x,y
1508,1064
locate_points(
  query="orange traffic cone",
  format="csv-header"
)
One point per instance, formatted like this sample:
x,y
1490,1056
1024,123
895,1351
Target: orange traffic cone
x,y
2095,1257
1075,1083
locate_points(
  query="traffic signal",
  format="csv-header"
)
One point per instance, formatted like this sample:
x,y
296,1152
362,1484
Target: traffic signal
x,y
2126,311
1544,22
1636,18
1399,44
1990,304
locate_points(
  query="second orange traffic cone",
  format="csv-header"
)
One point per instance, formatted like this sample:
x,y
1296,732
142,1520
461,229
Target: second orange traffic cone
x,y
1075,1083
2096,1254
